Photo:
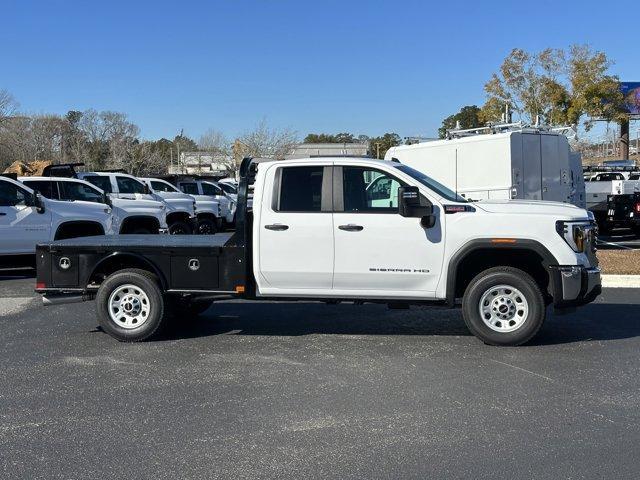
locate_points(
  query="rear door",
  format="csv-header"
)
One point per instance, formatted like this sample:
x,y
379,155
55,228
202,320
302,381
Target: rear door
x,y
21,226
296,230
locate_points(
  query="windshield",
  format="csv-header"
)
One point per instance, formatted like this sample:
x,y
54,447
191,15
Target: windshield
x,y
429,182
160,186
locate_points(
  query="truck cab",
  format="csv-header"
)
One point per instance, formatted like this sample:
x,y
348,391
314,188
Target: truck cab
x,y
333,229
207,216
27,218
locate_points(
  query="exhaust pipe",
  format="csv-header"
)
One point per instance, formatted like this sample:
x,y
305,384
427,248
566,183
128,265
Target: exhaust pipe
x,y
65,298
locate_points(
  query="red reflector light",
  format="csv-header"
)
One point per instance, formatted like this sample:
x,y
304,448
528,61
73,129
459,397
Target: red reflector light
x,y
41,285
637,207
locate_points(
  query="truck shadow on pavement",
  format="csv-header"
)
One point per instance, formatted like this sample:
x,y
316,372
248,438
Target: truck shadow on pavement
x,y
595,322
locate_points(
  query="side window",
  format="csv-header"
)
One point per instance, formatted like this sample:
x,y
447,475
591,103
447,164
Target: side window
x,y
162,187
369,191
210,189
300,189
78,191
46,188
13,196
190,188
129,185
102,182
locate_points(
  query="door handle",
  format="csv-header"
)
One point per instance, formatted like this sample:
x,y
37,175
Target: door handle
x,y
278,227
2,214
351,227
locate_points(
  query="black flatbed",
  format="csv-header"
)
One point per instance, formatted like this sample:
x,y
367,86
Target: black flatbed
x,y
142,241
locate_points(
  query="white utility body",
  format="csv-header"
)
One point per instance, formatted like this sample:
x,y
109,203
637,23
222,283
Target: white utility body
x,y
526,164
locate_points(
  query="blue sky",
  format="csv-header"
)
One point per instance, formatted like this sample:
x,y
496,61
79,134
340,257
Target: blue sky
x,y
328,66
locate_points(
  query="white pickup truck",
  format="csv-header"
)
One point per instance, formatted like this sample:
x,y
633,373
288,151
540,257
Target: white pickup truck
x,y
203,190
318,231
129,216
208,217
26,219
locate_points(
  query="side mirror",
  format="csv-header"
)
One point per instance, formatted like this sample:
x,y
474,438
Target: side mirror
x,y
146,190
414,205
38,202
106,199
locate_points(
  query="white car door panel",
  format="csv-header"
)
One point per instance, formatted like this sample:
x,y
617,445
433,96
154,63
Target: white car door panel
x,y
376,248
22,227
296,230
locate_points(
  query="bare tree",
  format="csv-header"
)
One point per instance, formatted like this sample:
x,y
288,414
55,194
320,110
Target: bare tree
x,y
8,106
220,147
263,141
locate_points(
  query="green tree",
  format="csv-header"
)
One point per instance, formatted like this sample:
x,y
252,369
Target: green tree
x,y
468,116
378,146
562,86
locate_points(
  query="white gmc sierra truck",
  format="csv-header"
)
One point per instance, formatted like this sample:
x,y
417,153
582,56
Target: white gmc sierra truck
x,y
317,230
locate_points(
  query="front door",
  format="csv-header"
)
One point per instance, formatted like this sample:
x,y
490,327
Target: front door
x,y
376,249
296,231
21,226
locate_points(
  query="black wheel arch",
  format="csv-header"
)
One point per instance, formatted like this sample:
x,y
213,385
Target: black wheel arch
x,y
126,260
79,224
513,246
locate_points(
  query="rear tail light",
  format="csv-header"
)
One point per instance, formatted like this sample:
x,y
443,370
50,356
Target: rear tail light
x,y
636,207
41,285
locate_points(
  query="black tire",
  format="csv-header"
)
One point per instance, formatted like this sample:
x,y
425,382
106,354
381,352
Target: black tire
x,y
520,283
139,231
179,228
206,226
142,281
180,307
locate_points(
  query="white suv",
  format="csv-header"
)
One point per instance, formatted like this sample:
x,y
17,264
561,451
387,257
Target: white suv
x,y
26,219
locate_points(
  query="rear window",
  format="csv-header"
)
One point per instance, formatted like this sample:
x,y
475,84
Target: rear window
x,y
103,183
300,189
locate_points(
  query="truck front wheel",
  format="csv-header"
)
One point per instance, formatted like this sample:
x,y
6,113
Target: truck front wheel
x,y
130,306
503,306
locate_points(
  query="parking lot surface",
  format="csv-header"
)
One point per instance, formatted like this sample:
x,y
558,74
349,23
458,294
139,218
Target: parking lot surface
x,y
306,390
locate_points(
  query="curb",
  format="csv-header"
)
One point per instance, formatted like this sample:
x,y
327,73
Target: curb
x,y
620,281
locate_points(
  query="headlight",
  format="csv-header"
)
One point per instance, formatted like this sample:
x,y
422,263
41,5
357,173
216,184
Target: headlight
x,y
576,235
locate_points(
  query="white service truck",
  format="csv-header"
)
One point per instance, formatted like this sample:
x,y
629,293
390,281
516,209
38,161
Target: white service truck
x,y
527,164
317,232
208,217
26,219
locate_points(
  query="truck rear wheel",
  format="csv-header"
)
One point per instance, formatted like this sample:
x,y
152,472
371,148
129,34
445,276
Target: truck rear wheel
x,y
130,306
503,306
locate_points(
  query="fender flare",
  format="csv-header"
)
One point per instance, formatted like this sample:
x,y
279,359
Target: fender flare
x,y
145,261
483,243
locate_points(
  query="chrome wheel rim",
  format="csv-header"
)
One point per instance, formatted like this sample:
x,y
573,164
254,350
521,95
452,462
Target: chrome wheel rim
x,y
503,308
129,306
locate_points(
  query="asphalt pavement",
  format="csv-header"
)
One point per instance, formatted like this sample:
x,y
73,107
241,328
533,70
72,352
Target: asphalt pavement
x,y
306,390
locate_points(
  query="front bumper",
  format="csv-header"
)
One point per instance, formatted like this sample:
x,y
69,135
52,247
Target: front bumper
x,y
572,285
